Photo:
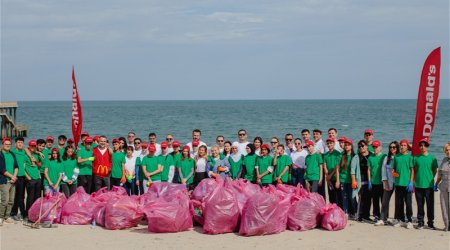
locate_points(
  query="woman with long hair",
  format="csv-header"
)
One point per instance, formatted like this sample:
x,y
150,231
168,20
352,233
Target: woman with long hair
x,y
53,171
70,172
249,163
344,180
186,167
226,149
258,141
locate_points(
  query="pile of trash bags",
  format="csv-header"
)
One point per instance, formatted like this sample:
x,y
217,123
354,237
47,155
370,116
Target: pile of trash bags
x,y
218,205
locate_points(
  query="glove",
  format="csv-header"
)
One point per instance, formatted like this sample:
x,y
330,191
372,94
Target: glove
x,y
435,187
123,179
410,187
221,169
214,175
149,184
395,174
92,158
370,185
129,178
354,184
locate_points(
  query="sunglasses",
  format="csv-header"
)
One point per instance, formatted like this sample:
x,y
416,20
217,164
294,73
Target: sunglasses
x,y
137,142
392,147
169,139
241,134
287,139
273,142
367,134
361,146
219,140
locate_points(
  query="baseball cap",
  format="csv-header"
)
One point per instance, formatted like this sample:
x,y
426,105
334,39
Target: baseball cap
x,y
144,145
349,141
84,133
265,146
6,139
175,144
70,140
115,140
152,148
96,138
376,143
330,139
342,138
164,144
195,143
308,143
88,140
426,140
32,143
55,150
186,147
368,131
50,138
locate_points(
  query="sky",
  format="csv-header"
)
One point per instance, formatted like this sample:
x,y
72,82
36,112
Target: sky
x,y
215,50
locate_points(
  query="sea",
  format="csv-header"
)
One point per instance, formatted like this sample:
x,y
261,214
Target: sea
x,y
389,119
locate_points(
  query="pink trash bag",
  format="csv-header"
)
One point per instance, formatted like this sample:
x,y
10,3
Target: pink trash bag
x,y
204,188
123,212
243,191
99,200
163,190
304,213
78,209
172,216
221,211
197,208
265,213
333,218
51,209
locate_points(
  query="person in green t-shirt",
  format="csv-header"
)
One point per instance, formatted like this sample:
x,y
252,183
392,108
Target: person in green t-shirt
x,y
8,177
118,164
84,159
249,163
32,175
186,166
344,181
331,160
151,168
70,171
264,167
19,198
375,163
314,168
53,170
235,159
166,160
282,164
176,157
425,168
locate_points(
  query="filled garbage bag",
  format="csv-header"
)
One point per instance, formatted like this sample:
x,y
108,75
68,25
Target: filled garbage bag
x,y
197,208
333,218
304,213
51,208
163,190
99,200
171,216
78,209
264,213
244,190
204,188
122,212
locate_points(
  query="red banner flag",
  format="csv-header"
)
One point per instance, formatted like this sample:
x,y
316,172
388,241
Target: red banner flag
x,y
77,117
427,100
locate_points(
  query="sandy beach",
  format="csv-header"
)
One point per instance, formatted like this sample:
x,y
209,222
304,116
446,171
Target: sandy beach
x,y
355,236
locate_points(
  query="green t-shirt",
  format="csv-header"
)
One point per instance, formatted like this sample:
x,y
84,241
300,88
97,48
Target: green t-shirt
x,y
425,167
249,164
344,171
85,167
186,166
375,162
332,159
166,161
151,164
33,171
9,159
118,158
402,165
47,152
282,162
235,167
176,158
54,171
370,148
312,163
68,167
21,157
264,163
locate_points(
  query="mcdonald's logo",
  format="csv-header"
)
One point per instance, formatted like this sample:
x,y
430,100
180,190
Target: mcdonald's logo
x,y
102,170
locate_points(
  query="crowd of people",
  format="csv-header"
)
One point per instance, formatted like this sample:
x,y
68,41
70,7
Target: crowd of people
x,y
356,176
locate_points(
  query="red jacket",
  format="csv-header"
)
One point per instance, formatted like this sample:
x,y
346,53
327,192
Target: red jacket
x,y
102,164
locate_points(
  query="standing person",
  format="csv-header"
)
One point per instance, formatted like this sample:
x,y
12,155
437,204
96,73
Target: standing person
x,y
19,198
360,181
289,143
425,168
226,149
130,171
151,169
102,164
95,141
344,180
33,176
84,160
139,174
48,146
152,142
62,144
131,137
314,168
218,166
195,146
169,141
368,138
220,141
331,160
333,133
319,145
264,167
258,141
40,150
443,183
242,141
118,176
306,135
83,137
176,156
137,146
201,164
166,160
8,177
249,163
375,163
122,141
404,177
388,182
70,172
274,145
186,166
282,164
342,141
196,136
298,163
53,170
235,160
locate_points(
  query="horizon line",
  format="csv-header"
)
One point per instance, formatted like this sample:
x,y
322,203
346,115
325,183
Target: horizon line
x,y
262,99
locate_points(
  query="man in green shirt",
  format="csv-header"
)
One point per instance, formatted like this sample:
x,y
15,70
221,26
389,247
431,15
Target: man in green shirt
x,y
19,198
282,163
151,168
375,162
314,168
32,174
425,167
84,160
331,159
8,177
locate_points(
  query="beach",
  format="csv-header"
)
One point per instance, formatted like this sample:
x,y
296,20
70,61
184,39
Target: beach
x,y
355,236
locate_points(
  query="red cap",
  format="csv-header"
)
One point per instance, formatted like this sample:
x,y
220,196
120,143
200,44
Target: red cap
x,y
144,145
32,143
116,140
265,146
195,143
186,147
70,140
342,138
84,133
175,144
368,131
308,143
96,138
404,141
330,139
6,139
50,138
164,144
55,150
349,141
152,148
88,140
376,143
426,140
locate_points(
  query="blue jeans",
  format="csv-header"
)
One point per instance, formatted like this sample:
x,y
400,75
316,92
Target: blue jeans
x,y
298,176
348,203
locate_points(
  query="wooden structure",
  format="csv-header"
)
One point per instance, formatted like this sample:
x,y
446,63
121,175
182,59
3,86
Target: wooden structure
x,y
9,127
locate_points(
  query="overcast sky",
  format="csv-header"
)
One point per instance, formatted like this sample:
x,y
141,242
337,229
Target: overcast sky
x,y
245,49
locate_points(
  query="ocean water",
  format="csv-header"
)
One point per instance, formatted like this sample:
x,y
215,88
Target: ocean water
x,y
389,119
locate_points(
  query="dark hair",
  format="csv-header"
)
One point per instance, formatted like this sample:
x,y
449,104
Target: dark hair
x,y
137,139
19,139
343,163
131,132
58,159
288,134
305,130
152,134
125,145
197,130
280,145
226,143
220,136
259,139
62,137
182,155
317,131
298,139
390,155
362,141
242,130
252,148
129,148
40,141
65,156
332,129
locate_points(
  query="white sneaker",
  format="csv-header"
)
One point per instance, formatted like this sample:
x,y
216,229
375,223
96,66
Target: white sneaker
x,y
396,223
379,223
409,225
10,221
1,222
